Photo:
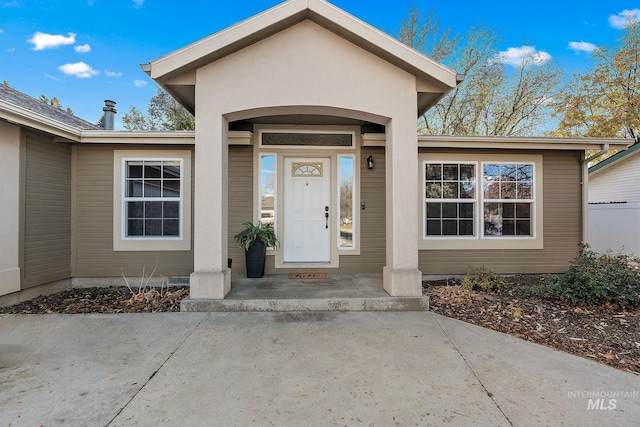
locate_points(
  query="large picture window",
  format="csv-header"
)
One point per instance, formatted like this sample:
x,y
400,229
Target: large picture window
x,y
469,203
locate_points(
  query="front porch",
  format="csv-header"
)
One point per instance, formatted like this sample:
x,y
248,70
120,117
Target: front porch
x,y
279,293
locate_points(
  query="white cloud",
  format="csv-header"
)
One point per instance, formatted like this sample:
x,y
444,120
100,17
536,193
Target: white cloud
x,y
79,69
139,83
45,41
582,46
624,18
138,3
82,48
11,49
519,56
1,31
112,73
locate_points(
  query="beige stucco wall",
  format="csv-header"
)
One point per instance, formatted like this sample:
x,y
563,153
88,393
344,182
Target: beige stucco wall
x,y
10,212
304,69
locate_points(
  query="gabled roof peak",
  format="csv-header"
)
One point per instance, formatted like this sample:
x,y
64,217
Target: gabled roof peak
x,y
281,17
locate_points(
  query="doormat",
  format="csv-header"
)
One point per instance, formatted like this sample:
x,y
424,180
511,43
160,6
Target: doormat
x,y
308,276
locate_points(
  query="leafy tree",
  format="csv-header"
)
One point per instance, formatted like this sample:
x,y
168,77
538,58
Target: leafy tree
x,y
605,102
493,99
55,103
164,113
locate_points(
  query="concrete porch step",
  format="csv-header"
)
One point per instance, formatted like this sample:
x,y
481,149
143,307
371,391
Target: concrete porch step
x,y
308,304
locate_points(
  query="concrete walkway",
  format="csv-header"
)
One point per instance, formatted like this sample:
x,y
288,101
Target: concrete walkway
x,y
295,369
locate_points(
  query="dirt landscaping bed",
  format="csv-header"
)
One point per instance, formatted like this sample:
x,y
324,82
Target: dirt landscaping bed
x,y
606,334
103,300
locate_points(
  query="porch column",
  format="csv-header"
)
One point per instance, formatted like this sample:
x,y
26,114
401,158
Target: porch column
x,y
211,278
401,276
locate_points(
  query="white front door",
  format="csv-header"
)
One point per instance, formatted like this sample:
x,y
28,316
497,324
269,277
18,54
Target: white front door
x,y
306,221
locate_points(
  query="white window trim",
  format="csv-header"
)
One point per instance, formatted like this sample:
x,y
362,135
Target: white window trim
x,y
479,241
155,243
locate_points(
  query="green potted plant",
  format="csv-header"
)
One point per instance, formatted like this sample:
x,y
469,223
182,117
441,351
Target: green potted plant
x,y
255,238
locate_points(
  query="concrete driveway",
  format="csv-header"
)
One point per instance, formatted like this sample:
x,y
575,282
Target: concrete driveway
x,y
295,369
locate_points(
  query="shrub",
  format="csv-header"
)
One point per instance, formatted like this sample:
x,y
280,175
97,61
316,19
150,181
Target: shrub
x,y
483,279
595,279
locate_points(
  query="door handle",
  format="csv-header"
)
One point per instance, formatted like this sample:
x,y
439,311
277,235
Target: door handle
x,y
326,216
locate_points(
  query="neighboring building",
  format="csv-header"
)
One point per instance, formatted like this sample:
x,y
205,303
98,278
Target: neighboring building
x,y
290,105
614,203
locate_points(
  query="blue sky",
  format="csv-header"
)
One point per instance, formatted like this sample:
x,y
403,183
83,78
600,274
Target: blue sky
x,y
85,51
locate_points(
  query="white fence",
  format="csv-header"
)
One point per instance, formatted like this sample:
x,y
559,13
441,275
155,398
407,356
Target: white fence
x,y
615,226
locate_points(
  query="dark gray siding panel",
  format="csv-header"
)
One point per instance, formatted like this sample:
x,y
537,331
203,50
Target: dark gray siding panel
x,y
94,255
47,211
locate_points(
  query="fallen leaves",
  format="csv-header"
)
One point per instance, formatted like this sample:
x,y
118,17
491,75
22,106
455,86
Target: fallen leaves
x,y
606,334
102,300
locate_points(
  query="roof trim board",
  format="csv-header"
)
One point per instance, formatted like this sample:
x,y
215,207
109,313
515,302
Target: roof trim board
x,y
616,158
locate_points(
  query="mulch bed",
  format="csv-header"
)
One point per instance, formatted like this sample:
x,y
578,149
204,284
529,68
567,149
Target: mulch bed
x,y
103,300
606,334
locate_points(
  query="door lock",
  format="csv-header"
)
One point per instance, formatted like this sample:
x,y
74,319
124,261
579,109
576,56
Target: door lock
x,y
326,216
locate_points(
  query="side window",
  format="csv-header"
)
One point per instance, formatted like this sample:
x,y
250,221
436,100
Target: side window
x,y
508,199
450,199
152,200
346,203
267,187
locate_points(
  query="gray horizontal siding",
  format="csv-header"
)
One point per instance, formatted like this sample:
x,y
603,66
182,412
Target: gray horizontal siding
x,y
372,219
241,194
240,200
562,174
94,255
47,211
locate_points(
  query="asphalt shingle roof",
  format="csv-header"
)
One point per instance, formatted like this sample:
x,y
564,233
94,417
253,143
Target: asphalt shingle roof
x,y
20,99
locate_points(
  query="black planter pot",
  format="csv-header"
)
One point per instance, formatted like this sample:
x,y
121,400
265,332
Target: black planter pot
x,y
255,256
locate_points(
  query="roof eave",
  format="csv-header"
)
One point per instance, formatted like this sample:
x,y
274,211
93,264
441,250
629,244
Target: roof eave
x,y
25,117
615,159
522,142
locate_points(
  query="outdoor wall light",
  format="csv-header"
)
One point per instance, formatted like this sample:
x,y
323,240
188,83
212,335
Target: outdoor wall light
x,y
370,162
